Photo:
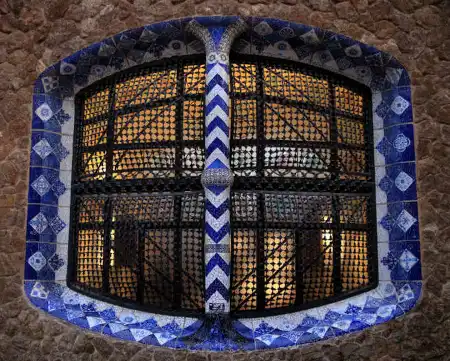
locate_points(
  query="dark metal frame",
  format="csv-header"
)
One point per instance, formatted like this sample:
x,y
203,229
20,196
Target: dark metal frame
x,y
260,184
109,186
333,186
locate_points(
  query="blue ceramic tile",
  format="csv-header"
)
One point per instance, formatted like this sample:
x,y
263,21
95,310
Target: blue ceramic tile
x,y
47,150
401,221
398,144
403,261
43,223
408,293
396,106
39,263
399,182
45,186
46,109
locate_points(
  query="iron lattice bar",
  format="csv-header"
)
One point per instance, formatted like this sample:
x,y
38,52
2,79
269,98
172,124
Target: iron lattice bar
x,y
303,225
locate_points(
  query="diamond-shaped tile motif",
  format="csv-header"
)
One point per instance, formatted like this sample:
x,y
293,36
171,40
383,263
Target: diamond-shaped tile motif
x,y
39,291
57,224
403,181
405,220
50,83
353,51
393,75
39,223
67,68
405,294
384,146
407,260
385,184
310,37
60,151
58,188
263,29
399,105
37,261
55,262
43,148
44,112
41,185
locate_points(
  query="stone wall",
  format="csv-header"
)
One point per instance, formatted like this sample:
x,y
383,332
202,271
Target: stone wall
x,y
35,34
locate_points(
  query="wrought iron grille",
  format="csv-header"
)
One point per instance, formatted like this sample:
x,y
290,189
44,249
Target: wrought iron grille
x,y
303,227
138,206
303,196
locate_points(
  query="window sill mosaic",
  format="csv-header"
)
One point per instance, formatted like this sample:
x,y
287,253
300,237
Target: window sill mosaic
x,y
399,268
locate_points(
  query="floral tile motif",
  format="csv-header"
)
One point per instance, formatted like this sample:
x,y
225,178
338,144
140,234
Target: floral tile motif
x,y
397,218
396,145
50,150
400,182
400,220
46,186
46,223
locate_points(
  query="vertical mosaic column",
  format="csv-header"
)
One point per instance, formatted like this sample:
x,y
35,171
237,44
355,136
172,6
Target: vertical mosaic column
x,y
217,176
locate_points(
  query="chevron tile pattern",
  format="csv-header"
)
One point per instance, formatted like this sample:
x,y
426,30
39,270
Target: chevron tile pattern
x,y
217,165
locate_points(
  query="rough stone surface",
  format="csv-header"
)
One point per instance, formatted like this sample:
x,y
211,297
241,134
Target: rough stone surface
x,y
34,34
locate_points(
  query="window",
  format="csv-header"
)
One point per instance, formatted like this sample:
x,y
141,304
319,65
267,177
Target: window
x,y
223,183
300,153
138,208
303,194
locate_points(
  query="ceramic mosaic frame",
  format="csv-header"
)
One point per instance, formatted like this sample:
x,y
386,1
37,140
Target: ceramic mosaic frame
x,y
400,277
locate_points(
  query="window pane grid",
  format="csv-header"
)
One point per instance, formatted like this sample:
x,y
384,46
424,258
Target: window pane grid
x,y
135,243
300,137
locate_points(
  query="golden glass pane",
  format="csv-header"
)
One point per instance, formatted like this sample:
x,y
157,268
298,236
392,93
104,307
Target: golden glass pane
x,y
279,271
154,209
354,260
244,269
244,121
149,125
90,258
145,88
158,270
351,162
286,122
350,131
193,119
353,210
94,134
91,210
244,78
94,166
294,85
144,163
194,79
318,278
348,101
96,104
122,279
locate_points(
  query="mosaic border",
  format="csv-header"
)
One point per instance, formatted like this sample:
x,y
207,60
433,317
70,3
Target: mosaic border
x,y
397,219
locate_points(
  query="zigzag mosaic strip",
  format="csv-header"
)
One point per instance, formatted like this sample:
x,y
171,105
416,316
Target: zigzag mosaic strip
x,y
217,152
51,161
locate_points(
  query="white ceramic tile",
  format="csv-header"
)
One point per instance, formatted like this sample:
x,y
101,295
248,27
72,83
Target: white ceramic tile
x,y
382,233
381,196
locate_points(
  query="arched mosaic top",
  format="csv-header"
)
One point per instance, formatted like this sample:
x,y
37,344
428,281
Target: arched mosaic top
x,y
50,178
